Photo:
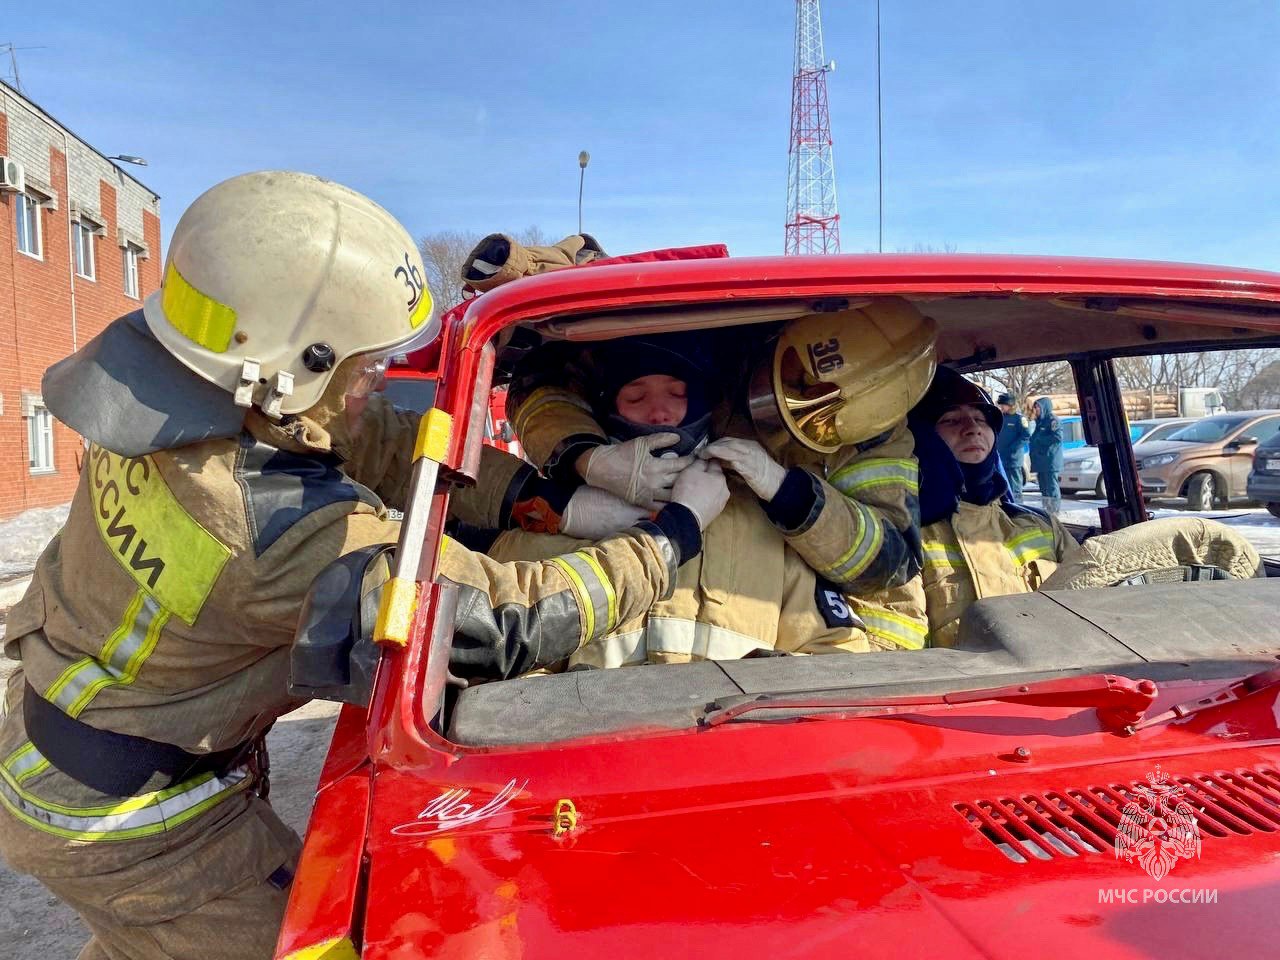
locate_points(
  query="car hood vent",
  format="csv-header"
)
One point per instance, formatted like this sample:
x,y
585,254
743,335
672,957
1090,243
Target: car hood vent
x,y
1081,821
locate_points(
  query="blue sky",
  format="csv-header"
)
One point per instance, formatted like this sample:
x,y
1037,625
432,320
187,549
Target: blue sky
x,y
1103,129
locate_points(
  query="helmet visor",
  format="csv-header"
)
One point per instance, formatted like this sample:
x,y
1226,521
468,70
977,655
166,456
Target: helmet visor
x,y
368,375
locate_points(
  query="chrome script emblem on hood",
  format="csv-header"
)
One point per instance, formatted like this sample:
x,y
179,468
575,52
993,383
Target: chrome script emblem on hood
x,y
449,811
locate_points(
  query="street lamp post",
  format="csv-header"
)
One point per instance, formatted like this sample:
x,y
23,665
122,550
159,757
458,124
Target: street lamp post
x,y
583,159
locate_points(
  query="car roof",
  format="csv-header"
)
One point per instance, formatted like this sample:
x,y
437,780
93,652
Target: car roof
x,y
1247,414
991,310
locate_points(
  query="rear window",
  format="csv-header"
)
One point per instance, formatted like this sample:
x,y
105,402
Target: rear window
x,y
1208,431
1140,430
1162,431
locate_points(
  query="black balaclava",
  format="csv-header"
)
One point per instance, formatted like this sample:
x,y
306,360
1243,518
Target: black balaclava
x,y
944,480
680,355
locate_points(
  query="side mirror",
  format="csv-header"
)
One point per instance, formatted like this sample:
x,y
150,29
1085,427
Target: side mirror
x,y
1239,442
333,655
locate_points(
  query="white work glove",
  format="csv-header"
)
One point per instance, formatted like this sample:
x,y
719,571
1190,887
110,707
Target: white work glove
x,y
749,460
701,487
632,472
593,514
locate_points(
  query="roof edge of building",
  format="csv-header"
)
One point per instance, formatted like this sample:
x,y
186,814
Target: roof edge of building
x,y
54,121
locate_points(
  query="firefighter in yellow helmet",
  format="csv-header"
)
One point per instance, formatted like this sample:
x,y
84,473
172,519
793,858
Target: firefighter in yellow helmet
x,y
835,475
227,469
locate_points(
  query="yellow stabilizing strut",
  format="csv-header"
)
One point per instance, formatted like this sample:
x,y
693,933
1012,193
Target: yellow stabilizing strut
x,y
340,948
400,595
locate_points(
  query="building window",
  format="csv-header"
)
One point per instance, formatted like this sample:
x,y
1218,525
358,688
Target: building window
x,y
28,208
39,438
82,240
131,270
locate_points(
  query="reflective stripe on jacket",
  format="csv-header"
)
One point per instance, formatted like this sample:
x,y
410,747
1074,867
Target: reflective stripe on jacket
x,y
865,536
110,818
990,550
513,618
986,551
746,591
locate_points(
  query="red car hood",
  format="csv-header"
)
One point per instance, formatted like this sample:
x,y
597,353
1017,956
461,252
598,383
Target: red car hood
x,y
834,871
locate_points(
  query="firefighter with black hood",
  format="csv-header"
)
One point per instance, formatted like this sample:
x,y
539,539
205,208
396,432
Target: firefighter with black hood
x,y
228,466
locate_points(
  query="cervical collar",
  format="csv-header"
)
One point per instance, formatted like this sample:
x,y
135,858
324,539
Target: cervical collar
x,y
692,433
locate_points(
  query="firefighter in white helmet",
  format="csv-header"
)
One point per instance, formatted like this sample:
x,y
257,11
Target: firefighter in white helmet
x,y
226,470
835,472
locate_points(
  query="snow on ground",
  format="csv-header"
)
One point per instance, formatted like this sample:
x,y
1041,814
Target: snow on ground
x,y
24,537
1255,524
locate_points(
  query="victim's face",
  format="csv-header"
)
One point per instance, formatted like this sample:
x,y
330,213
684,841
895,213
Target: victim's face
x,y
656,400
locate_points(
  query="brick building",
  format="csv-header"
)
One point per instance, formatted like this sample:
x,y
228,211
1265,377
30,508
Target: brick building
x,y
79,246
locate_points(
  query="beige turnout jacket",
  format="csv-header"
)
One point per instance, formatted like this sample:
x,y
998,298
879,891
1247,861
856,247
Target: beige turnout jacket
x,y
746,591
166,606
979,551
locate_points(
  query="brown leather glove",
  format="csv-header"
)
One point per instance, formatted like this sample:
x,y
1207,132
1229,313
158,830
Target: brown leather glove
x,y
499,258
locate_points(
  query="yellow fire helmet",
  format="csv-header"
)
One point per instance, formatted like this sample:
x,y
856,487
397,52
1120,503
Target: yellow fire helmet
x,y
840,378
274,278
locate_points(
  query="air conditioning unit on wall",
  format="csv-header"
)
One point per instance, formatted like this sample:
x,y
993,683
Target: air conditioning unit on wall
x,y
12,176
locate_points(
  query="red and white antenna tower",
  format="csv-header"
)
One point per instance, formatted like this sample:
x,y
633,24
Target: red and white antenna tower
x,y
813,223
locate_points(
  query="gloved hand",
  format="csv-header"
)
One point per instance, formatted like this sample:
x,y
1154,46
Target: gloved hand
x,y
631,471
749,460
701,487
499,258
593,514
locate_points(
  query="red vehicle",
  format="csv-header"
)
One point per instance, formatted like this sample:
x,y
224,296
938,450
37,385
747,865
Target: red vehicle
x,y
411,383
1091,774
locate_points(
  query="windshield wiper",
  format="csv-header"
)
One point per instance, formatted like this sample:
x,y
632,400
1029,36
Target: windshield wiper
x,y
1119,701
1232,693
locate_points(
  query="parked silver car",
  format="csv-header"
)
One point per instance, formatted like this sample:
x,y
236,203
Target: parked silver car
x,y
1082,470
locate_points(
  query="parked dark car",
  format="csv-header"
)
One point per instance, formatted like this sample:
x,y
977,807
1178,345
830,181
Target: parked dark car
x,y
1263,485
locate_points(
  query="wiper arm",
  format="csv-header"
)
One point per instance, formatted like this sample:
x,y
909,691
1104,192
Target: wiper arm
x,y
1232,693
1120,702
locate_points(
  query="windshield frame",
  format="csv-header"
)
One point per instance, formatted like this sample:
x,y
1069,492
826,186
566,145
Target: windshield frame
x,y
405,691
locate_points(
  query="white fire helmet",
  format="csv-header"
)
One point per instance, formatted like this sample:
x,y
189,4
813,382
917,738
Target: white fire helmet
x,y
274,278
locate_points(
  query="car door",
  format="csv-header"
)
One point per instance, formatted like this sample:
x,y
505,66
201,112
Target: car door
x,y
1240,459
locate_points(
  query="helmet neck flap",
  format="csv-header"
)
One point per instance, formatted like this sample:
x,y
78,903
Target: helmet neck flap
x,y
125,392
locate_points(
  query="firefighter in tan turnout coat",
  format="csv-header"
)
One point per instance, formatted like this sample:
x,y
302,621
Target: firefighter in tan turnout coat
x,y
977,542
227,468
